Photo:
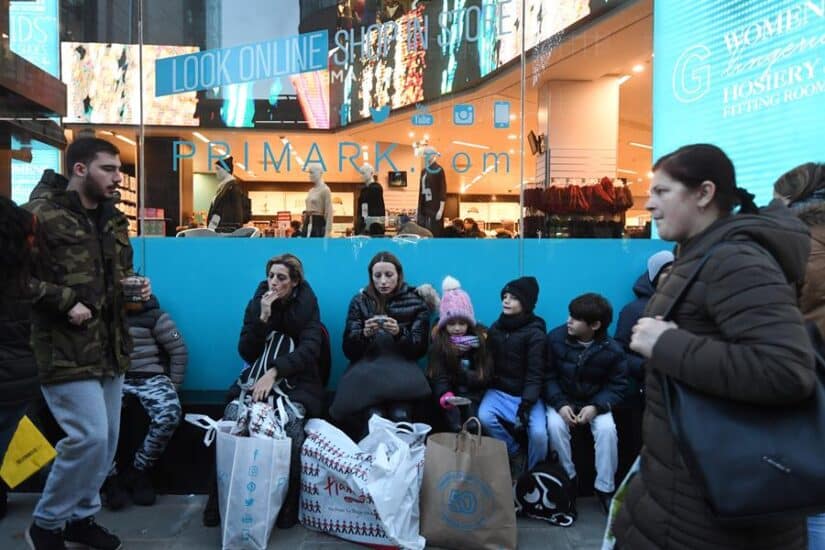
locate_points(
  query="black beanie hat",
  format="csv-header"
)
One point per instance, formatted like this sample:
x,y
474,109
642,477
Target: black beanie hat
x,y
526,289
227,164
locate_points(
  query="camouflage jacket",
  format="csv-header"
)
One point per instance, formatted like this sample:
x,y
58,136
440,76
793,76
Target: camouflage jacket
x,y
78,260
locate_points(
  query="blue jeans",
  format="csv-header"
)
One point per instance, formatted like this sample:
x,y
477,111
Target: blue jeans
x,y
89,413
816,532
499,407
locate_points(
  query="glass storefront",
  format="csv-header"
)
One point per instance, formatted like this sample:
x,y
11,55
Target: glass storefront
x,y
370,93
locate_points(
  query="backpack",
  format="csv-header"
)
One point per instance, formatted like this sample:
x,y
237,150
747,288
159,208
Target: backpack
x,y
546,493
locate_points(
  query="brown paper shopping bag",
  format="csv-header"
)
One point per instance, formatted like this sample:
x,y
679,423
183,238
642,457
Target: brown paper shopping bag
x,y
27,453
467,494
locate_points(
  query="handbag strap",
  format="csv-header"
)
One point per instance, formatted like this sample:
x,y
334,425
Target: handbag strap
x,y
690,280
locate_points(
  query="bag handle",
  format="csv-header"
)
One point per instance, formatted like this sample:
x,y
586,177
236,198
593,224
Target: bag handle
x,y
466,435
206,423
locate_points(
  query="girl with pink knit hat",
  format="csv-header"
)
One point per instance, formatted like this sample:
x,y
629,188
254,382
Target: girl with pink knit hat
x,y
459,366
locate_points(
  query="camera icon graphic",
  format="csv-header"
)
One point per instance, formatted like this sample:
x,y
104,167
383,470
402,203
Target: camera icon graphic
x,y
464,115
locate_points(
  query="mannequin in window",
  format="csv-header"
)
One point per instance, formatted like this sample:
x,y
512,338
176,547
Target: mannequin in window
x,y
390,11
371,207
318,213
433,192
228,210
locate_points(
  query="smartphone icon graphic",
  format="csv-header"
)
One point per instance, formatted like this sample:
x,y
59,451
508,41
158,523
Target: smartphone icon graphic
x,y
501,114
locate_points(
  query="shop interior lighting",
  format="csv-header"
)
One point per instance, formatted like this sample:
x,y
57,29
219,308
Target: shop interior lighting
x,y
125,139
201,137
472,145
649,175
411,135
243,167
512,137
625,171
106,133
512,117
638,68
640,145
624,78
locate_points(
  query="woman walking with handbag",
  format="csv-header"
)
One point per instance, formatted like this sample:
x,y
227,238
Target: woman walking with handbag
x,y
803,190
735,334
283,305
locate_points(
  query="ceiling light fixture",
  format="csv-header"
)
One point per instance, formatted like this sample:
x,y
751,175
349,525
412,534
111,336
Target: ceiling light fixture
x,y
638,68
124,138
649,175
624,78
640,145
512,137
473,145
625,171
243,167
411,135
201,137
106,133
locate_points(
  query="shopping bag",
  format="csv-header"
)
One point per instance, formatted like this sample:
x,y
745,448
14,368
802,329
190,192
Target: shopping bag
x,y
467,494
609,539
28,452
367,492
253,477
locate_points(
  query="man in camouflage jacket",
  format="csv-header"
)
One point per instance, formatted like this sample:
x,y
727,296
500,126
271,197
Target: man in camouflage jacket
x,y
79,336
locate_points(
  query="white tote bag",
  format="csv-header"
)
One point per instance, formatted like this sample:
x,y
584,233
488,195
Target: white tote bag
x,y
368,492
253,476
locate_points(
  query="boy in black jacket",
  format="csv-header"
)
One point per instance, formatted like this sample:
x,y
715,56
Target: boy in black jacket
x,y
512,406
586,378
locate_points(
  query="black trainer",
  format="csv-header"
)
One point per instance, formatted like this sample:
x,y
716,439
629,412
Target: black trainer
x,y
44,539
87,532
140,484
604,500
113,495
211,514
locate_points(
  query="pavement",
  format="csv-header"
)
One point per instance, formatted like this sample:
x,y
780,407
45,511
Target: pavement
x,y
174,523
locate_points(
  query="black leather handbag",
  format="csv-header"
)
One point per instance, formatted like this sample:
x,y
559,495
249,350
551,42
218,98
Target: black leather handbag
x,y
754,462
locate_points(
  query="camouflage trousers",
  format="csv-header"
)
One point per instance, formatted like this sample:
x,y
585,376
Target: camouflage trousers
x,y
160,400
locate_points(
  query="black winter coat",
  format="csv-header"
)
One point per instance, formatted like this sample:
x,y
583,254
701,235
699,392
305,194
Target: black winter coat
x,y
465,382
18,371
629,316
740,337
300,319
518,357
579,376
406,307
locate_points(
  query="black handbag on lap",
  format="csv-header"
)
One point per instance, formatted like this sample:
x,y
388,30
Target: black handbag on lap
x,y
754,462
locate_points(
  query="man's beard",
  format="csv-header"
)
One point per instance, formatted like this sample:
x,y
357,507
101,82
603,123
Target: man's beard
x,y
93,190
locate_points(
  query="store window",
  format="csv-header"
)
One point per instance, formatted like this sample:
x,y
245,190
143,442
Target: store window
x,y
480,118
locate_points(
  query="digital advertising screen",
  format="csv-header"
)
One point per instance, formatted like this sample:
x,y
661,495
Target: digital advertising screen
x,y
746,76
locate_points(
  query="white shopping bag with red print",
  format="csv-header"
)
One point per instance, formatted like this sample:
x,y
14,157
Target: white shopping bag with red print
x,y
368,492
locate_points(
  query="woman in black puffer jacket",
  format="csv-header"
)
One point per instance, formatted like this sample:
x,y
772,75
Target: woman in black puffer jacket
x,y
286,304
18,371
387,331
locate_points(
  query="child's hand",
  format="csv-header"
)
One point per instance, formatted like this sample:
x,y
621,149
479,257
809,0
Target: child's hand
x,y
587,414
567,415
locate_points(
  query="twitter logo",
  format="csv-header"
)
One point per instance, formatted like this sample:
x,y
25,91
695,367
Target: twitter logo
x,y
381,114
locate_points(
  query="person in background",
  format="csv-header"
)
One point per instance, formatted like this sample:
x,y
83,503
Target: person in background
x,y
472,230
294,230
803,190
159,361
79,337
454,229
283,304
18,371
737,334
658,266
512,406
459,365
408,226
387,331
586,378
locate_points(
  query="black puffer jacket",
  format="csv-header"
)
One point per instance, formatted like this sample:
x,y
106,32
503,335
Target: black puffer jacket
x,y
740,337
300,319
629,316
579,376
18,370
405,306
518,352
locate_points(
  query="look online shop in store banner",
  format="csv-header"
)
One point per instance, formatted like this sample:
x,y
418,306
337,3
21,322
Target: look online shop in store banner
x,y
747,76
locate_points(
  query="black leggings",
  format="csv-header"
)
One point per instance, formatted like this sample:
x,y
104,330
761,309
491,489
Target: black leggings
x,y
397,411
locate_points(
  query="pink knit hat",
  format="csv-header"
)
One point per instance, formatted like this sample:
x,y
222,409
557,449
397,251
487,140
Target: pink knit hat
x,y
455,303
